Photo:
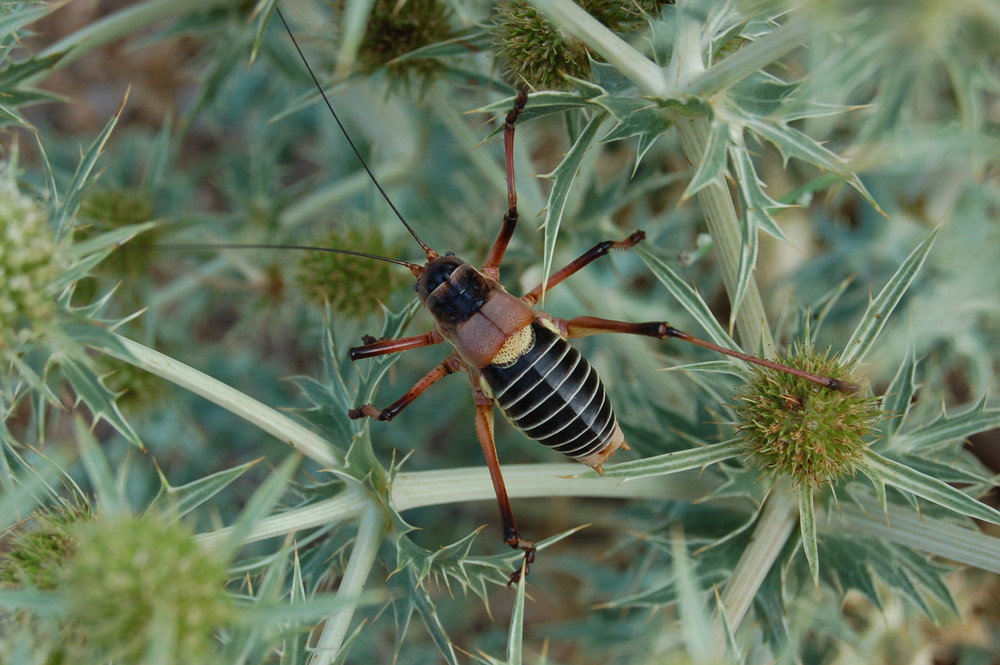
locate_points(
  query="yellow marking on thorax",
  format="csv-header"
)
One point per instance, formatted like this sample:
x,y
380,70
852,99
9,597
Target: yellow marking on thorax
x,y
516,346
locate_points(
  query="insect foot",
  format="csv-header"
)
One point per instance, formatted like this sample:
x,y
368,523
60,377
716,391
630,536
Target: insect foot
x,y
529,550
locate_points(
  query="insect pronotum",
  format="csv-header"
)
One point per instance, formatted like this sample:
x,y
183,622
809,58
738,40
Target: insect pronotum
x,y
517,357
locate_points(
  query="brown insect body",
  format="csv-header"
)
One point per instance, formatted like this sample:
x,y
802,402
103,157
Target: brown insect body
x,y
493,337
474,313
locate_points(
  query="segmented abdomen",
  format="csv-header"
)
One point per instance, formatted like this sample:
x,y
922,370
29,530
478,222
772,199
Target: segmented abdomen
x,y
554,396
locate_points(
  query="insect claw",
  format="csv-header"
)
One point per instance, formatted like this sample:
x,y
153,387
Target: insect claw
x,y
367,411
529,558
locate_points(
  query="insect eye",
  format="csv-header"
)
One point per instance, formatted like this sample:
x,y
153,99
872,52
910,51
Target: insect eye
x,y
437,273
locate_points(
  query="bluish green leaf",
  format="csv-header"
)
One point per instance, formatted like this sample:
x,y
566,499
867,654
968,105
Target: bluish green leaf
x,y
902,477
185,498
807,529
16,72
634,116
898,397
417,598
262,15
825,304
848,568
660,465
109,498
760,94
444,564
757,205
66,209
263,501
88,253
710,366
515,636
19,17
947,429
688,298
540,104
562,184
881,308
859,561
98,398
791,142
712,168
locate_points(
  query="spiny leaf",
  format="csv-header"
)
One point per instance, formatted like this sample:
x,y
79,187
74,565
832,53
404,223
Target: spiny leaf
x,y
807,529
687,297
947,429
793,143
99,399
109,498
185,498
66,210
563,177
443,564
902,477
879,309
634,117
660,465
263,501
898,398
712,168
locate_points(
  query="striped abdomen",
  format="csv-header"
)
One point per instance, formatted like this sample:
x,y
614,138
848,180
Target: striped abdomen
x,y
555,397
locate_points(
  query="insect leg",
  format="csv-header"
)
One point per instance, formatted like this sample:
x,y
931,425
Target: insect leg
x,y
594,253
582,326
450,365
491,267
384,347
511,536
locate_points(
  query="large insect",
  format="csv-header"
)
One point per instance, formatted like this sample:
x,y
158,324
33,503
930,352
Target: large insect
x,y
517,358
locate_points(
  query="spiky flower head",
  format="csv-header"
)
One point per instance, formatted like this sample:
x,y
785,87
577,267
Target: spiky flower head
x,y
533,50
30,262
351,285
797,430
134,582
398,27
36,550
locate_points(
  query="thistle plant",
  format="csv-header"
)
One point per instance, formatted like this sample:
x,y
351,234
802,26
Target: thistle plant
x,y
844,191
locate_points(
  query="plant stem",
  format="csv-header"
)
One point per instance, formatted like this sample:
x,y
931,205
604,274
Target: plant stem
x,y
273,422
370,532
723,225
345,506
770,534
428,488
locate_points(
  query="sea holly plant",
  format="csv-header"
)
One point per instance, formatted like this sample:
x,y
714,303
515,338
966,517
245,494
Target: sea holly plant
x,y
44,332
810,442
752,510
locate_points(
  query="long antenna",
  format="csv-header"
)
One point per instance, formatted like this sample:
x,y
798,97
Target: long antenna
x,y
415,268
431,254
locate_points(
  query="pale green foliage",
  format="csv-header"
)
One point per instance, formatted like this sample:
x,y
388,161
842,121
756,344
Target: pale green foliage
x,y
857,137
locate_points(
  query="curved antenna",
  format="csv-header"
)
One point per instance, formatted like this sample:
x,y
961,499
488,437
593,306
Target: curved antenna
x,y
414,268
431,254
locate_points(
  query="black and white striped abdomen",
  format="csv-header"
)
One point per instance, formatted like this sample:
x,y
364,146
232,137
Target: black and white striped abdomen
x,y
554,396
